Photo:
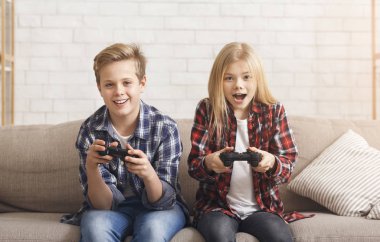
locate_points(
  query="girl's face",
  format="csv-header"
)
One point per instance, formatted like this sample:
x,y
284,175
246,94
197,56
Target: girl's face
x,y
239,87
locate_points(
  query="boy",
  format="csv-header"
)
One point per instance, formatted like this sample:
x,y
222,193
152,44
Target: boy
x,y
137,194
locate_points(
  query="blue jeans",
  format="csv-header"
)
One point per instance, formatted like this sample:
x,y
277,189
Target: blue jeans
x,y
266,227
131,217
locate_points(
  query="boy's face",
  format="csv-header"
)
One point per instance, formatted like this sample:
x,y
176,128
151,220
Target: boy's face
x,y
239,87
121,89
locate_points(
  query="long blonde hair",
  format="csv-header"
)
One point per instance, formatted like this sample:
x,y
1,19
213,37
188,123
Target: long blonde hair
x,y
229,54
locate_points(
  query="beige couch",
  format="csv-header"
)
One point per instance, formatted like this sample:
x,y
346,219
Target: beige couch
x,y
39,182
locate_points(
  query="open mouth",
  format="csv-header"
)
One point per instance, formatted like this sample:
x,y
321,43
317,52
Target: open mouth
x,y
239,96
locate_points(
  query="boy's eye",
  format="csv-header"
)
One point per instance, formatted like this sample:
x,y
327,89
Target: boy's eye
x,y
108,85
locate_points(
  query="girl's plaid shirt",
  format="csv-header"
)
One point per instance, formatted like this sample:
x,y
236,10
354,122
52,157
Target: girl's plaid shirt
x,y
268,130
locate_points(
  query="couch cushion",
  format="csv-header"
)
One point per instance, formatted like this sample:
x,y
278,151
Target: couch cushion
x,y
39,168
325,227
42,227
344,178
189,185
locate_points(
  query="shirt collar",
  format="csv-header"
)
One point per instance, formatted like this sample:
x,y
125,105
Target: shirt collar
x,y
103,121
255,107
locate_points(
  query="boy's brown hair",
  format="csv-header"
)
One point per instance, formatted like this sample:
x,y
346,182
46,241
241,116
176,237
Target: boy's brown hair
x,y
120,52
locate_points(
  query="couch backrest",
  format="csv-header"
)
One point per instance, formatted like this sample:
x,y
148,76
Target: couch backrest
x,y
39,168
188,184
39,163
313,135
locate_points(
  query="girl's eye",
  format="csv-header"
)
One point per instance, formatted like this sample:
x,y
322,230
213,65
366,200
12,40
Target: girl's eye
x,y
247,77
228,78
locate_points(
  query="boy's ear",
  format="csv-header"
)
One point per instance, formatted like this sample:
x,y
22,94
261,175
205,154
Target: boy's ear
x,y
142,83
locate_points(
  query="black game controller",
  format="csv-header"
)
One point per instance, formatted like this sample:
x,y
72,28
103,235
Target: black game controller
x,y
115,152
253,158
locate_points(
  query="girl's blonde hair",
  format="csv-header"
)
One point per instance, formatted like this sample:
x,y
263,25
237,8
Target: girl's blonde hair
x,y
120,52
231,53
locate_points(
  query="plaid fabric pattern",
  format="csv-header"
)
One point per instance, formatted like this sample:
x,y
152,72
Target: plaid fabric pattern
x,y
268,130
156,135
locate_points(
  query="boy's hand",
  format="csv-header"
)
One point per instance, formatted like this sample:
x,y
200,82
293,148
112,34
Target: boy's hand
x,y
93,157
266,163
139,165
214,163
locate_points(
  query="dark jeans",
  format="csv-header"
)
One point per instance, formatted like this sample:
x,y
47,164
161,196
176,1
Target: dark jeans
x,y
266,227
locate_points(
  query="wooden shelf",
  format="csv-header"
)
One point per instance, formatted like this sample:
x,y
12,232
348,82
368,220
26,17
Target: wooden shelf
x,y
375,57
7,62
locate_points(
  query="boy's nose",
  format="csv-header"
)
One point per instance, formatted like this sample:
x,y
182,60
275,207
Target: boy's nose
x,y
120,90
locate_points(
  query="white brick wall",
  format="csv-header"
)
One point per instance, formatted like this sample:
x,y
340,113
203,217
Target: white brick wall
x,y
316,52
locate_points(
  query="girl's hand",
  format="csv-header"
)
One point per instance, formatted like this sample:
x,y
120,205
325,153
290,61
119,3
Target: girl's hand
x,y
214,163
266,163
93,158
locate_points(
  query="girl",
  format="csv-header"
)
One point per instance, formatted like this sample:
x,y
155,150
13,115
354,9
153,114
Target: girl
x,y
240,114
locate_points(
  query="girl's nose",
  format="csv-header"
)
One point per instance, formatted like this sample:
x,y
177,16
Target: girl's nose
x,y
239,83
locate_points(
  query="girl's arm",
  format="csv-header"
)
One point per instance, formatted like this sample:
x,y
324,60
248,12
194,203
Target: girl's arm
x,y
283,147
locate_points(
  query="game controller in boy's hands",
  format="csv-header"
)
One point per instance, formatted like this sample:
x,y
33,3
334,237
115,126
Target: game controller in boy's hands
x,y
253,158
115,152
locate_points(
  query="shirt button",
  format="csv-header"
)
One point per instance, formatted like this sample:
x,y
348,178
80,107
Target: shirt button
x,y
122,163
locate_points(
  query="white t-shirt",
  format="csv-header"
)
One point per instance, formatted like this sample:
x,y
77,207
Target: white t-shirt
x,y
123,142
241,196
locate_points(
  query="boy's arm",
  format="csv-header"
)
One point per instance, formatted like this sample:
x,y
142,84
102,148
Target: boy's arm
x,y
98,184
160,187
99,193
139,164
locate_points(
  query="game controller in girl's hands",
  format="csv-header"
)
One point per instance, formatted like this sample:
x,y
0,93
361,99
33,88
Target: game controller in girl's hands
x,y
253,158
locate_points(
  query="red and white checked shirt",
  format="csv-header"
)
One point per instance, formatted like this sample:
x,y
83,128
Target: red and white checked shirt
x,y
268,130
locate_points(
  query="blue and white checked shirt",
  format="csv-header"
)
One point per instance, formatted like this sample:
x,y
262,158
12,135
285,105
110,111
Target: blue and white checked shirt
x,y
156,135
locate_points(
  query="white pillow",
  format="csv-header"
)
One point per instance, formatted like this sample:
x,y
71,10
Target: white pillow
x,y
344,178
375,212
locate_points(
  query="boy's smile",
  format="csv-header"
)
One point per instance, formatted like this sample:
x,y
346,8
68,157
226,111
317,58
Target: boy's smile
x,y
120,102
239,87
121,89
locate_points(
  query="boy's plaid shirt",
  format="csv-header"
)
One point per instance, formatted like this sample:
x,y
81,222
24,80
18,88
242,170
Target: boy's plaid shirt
x,y
156,135
268,130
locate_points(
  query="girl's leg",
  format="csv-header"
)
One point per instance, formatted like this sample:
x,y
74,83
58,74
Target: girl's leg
x,y
216,226
266,227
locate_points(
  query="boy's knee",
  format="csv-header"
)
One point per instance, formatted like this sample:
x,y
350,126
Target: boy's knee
x,y
96,226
